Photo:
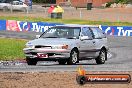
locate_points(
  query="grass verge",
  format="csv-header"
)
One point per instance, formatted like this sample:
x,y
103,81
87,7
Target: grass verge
x,y
66,21
11,49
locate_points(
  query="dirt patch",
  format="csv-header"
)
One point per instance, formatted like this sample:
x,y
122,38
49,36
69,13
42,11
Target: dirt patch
x,y
52,80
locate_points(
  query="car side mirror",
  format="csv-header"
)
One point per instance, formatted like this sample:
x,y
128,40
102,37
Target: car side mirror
x,y
37,36
84,37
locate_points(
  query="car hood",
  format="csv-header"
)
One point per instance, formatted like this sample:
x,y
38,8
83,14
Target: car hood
x,y
51,41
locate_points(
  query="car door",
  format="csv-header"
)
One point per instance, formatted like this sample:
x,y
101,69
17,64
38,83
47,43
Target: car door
x,y
99,38
87,46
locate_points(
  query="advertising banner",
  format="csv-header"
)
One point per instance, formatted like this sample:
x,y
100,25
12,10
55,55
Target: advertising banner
x,y
2,25
35,26
117,30
12,25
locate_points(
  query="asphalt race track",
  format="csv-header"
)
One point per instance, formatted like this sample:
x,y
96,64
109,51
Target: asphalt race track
x,y
119,57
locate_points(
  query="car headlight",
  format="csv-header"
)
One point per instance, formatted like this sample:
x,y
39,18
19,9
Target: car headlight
x,y
60,47
56,47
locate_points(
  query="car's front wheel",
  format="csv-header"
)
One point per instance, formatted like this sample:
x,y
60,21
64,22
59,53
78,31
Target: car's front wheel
x,y
31,61
73,57
102,57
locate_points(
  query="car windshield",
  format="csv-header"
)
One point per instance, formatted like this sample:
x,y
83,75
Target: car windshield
x,y
62,32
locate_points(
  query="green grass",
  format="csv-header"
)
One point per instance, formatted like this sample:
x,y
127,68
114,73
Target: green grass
x,y
66,21
11,49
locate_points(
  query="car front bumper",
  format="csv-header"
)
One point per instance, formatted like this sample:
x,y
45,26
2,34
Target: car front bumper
x,y
47,54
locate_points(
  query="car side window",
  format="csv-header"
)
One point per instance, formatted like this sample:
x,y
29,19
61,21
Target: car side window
x,y
76,33
86,32
98,33
101,33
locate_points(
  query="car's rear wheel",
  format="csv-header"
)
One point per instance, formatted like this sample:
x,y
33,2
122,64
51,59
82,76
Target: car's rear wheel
x,y
102,57
62,62
31,61
74,55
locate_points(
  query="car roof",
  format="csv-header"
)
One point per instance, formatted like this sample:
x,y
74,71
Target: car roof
x,y
77,25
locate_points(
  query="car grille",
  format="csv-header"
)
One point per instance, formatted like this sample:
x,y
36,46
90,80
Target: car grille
x,y
33,53
39,46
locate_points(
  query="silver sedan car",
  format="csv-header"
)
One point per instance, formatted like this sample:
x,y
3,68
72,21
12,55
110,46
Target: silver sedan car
x,y
68,44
